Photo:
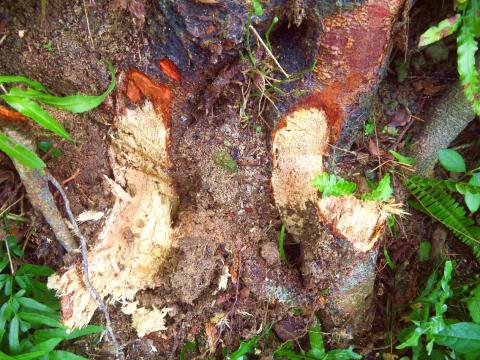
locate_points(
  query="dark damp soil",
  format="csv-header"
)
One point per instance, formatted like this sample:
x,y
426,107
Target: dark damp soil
x,y
231,213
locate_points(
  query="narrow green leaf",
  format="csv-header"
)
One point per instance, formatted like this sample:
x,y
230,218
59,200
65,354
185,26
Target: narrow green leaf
x,y
388,259
20,153
463,337
22,79
451,160
13,245
281,244
35,270
402,159
342,354
4,356
443,29
33,304
45,334
316,341
30,355
424,251
34,111
13,331
72,103
37,319
47,345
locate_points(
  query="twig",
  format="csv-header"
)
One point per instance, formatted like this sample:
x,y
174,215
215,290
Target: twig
x,y
71,178
268,51
88,24
93,292
9,257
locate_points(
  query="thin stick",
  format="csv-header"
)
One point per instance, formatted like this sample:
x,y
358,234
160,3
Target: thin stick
x,y
9,257
268,51
88,24
93,292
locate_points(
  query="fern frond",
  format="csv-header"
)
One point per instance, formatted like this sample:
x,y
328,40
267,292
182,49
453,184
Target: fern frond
x,y
330,185
466,49
442,207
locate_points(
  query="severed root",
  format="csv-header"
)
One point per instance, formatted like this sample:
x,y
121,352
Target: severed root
x,y
298,146
339,245
36,185
448,117
136,240
360,224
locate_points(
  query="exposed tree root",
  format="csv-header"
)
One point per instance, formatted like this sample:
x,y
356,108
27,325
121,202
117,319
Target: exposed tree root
x,y
36,185
447,118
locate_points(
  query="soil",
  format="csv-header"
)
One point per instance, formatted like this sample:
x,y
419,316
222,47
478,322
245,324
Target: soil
x,y
228,218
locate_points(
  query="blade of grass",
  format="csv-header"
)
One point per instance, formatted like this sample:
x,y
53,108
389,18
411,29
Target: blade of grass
x,y
20,153
22,79
281,241
72,103
34,111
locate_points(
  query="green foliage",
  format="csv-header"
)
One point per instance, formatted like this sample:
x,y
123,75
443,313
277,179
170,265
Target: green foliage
x,y
443,29
472,199
468,27
47,146
434,201
388,259
382,192
368,127
281,243
224,160
424,251
451,160
188,347
330,185
433,333
29,312
257,7
248,347
405,160
473,304
28,102
317,349
20,153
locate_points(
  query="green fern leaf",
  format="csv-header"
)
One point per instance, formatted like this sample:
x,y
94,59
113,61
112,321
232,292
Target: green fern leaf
x,y
438,204
330,185
466,49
